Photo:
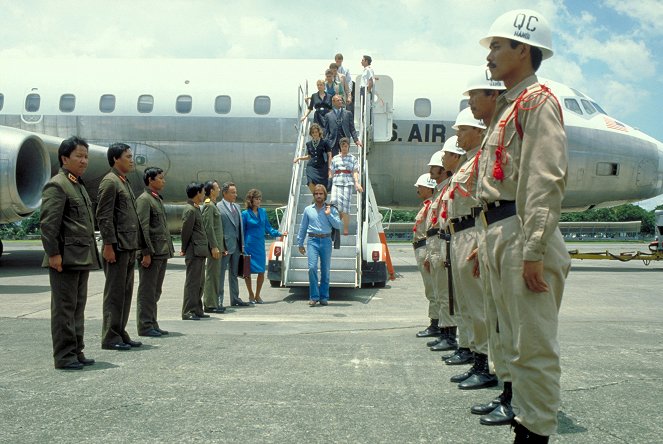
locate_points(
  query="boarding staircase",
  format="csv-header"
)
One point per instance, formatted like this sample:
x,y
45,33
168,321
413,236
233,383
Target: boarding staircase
x,y
362,258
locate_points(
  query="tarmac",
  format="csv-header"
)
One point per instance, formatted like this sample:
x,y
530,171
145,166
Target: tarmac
x,y
351,372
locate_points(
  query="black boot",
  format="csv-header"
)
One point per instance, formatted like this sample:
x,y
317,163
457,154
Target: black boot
x,y
524,436
463,376
462,356
502,414
432,330
449,343
481,377
442,337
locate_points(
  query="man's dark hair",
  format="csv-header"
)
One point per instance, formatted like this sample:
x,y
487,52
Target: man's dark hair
x,y
193,189
226,186
333,65
151,173
535,53
338,56
69,145
115,152
209,185
368,59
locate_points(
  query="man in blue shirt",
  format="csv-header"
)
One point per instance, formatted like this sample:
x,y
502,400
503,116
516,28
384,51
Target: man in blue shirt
x,y
317,223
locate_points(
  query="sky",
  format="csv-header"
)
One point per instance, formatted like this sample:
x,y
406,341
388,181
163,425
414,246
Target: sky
x,y
609,49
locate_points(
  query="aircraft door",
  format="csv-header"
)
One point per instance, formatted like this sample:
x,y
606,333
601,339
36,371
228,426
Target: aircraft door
x,y
383,108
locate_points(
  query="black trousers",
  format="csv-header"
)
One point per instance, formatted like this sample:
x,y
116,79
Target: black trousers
x,y
118,291
149,292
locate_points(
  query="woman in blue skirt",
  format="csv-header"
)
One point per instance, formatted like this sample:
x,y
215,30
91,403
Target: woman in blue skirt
x,y
256,225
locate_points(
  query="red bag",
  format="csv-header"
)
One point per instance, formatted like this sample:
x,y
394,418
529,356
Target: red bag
x,y
244,266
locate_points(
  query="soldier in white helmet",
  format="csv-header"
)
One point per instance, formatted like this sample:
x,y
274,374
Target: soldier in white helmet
x,y
522,177
468,291
438,175
425,186
436,251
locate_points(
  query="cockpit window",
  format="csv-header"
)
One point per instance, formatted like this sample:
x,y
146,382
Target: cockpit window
x,y
32,102
589,108
572,105
596,105
422,107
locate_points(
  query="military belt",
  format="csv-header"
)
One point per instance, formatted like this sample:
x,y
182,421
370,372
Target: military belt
x,y
506,208
461,223
432,232
420,243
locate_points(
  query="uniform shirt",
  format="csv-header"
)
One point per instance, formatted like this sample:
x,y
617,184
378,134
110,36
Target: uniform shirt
x,y
348,78
419,229
152,217
461,193
436,219
534,166
315,221
344,163
366,74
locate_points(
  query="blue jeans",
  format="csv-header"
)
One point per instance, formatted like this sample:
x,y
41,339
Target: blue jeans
x,y
319,248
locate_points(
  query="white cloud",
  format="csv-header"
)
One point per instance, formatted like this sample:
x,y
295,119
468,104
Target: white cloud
x,y
647,13
624,57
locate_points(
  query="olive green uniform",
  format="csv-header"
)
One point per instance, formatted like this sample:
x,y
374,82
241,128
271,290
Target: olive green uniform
x,y
159,246
67,229
214,230
196,249
119,226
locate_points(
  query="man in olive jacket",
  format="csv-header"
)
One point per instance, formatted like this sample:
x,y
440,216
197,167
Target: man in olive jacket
x,y
214,231
196,249
67,234
154,257
122,237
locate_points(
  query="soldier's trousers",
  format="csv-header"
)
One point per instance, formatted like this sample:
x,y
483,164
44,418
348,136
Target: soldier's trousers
x,y
68,299
193,285
118,290
149,292
441,291
212,282
528,322
468,293
427,277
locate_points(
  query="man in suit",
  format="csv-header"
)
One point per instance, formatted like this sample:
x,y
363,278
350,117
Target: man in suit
x,y
154,257
122,237
233,237
67,233
196,248
339,123
214,231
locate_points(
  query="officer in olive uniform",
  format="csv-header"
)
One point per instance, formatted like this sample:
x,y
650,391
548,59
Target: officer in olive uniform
x,y
122,236
522,177
214,230
154,257
196,249
67,234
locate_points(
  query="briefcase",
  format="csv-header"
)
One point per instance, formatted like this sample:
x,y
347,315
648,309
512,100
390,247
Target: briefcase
x,y
244,266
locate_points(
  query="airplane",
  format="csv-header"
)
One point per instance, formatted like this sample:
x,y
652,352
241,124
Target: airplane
x,y
237,120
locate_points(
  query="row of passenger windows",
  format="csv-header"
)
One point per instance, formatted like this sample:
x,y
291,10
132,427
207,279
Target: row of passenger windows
x,y
144,104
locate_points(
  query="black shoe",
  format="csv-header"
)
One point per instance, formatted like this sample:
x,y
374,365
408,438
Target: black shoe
x,y
202,315
524,435
484,409
214,310
163,332
445,357
153,333
133,343
85,361
71,366
324,303
120,346
190,317
434,341
462,356
239,303
501,415
444,345
478,381
429,332
463,376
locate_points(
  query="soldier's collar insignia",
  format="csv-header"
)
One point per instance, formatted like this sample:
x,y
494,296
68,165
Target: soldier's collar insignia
x,y
72,178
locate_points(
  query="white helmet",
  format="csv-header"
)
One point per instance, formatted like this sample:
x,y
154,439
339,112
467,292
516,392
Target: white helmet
x,y
465,117
425,181
522,25
483,80
451,146
436,159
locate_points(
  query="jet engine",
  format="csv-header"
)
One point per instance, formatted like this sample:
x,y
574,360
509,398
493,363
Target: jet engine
x,y
25,167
